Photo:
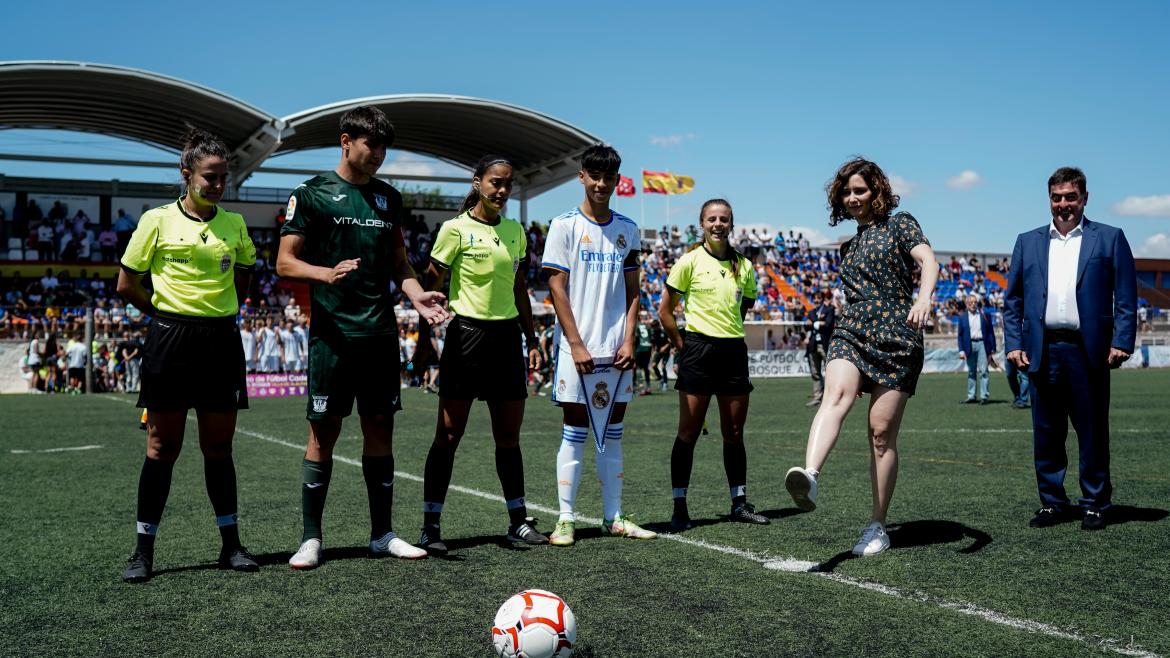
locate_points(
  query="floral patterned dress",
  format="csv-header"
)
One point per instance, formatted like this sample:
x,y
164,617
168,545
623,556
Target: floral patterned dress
x,y
877,275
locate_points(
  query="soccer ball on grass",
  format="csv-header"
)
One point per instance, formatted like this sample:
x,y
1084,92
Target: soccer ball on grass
x,y
534,624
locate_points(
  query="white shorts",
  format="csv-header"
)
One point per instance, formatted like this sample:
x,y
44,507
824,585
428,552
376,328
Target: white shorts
x,y
568,382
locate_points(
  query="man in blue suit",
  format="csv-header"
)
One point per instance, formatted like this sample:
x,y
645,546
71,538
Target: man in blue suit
x,y
1070,317
977,347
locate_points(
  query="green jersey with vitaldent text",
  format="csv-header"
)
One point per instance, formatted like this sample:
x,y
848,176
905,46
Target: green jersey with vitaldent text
x,y
340,221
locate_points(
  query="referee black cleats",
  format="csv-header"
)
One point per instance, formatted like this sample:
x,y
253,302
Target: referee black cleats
x,y
525,533
746,513
237,559
139,568
432,541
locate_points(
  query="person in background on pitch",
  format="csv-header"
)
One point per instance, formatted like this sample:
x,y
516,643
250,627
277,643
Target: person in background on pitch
x,y
1070,318
877,344
591,254
718,285
823,320
483,251
352,348
977,349
199,258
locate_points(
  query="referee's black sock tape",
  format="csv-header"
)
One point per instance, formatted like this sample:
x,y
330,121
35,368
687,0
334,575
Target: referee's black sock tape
x,y
314,488
154,486
219,473
379,476
682,457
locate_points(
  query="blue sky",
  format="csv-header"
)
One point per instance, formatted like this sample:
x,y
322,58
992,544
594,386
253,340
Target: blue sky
x,y
971,106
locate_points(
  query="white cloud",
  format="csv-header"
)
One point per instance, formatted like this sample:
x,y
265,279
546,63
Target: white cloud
x,y
407,165
1143,206
1155,246
671,140
965,180
902,187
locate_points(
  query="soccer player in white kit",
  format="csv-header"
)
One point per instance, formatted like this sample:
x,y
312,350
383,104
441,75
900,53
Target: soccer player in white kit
x,y
591,254
248,339
269,342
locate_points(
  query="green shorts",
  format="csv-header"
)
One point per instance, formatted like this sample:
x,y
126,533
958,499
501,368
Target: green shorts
x,y
342,369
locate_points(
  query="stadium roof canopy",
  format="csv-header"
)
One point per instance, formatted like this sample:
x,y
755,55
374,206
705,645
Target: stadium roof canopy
x,y
154,109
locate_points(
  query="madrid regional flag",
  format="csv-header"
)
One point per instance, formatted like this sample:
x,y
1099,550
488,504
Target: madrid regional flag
x,y
625,186
657,182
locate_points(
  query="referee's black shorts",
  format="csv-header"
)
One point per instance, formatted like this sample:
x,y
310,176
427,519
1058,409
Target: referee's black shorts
x,y
713,366
193,362
483,359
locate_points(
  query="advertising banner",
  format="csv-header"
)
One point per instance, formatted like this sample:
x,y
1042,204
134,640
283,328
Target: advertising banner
x,y
277,385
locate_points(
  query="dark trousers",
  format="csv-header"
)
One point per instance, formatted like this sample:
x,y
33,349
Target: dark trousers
x,y
1067,389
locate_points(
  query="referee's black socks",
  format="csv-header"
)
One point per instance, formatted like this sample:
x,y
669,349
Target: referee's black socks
x,y
735,465
436,479
379,476
154,485
314,488
510,469
682,457
220,475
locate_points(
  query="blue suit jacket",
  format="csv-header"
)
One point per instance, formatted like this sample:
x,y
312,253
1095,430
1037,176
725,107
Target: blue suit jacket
x,y
1106,293
965,332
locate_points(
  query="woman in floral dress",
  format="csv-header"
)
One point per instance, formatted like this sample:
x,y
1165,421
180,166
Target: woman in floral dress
x,y
877,344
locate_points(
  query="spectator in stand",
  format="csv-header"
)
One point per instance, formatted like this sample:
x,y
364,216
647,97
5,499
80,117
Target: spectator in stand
x,y
45,248
123,228
108,241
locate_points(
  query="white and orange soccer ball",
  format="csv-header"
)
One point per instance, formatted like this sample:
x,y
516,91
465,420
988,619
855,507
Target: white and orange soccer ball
x,y
534,624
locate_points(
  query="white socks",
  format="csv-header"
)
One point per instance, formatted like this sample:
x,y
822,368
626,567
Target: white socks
x,y
569,468
609,470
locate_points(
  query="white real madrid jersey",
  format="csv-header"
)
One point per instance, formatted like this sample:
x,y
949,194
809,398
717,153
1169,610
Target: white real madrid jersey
x,y
593,255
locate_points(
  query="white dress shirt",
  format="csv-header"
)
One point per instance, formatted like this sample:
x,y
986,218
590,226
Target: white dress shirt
x,y
975,320
1064,252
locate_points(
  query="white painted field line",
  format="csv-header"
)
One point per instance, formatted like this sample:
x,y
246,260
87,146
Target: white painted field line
x,y
793,565
71,449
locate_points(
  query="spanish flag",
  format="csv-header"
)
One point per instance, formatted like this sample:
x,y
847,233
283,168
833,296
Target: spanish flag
x,y
657,182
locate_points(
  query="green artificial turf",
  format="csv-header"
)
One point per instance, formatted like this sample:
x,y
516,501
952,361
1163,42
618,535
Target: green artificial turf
x,y
959,518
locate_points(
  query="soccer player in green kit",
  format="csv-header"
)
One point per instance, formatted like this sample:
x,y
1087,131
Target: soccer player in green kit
x,y
342,235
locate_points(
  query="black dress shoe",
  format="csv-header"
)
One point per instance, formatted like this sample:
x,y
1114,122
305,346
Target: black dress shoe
x,y
1093,520
1047,517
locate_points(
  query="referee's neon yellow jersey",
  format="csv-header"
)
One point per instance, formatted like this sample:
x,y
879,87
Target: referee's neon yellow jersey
x,y
712,292
191,262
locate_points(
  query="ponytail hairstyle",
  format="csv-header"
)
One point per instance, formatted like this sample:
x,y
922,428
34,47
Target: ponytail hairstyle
x,y
485,163
197,145
735,255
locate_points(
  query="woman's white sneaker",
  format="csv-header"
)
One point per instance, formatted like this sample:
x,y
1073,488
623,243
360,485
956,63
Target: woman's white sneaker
x,y
802,486
873,540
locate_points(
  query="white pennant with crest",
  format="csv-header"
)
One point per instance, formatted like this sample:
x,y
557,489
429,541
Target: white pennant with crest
x,y
601,388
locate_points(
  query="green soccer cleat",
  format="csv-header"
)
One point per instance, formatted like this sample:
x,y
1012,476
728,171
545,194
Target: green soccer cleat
x,y
624,526
563,534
